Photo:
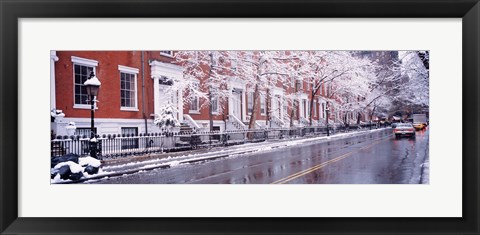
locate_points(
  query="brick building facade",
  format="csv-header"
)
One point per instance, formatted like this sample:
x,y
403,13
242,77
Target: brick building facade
x,y
135,85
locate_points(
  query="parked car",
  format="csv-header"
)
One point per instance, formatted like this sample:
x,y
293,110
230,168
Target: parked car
x,y
404,129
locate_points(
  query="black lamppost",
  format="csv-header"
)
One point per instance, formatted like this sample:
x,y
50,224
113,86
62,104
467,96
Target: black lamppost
x,y
327,110
92,85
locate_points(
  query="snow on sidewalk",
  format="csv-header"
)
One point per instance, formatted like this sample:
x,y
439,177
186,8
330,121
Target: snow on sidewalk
x,y
229,151
167,162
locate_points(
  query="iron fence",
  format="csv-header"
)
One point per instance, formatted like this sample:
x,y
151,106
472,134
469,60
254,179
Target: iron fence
x,y
115,146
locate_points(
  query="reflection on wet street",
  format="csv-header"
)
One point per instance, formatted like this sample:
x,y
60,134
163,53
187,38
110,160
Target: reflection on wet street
x,y
374,158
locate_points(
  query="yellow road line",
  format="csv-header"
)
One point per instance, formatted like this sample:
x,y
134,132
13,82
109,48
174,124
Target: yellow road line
x,y
321,165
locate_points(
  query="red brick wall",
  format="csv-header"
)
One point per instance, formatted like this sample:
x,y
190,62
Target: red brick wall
x,y
109,97
108,74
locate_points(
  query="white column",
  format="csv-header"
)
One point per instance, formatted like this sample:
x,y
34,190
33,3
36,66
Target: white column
x,y
53,59
282,114
244,105
230,100
180,106
156,95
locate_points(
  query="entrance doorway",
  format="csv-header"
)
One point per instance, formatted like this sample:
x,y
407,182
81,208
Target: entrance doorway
x,y
237,103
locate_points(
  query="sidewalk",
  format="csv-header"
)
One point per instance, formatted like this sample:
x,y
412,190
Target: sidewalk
x,y
134,164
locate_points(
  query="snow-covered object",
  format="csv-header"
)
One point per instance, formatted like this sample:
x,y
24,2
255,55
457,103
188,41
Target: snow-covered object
x,y
71,127
416,90
57,113
74,167
166,119
84,161
92,81
86,166
93,139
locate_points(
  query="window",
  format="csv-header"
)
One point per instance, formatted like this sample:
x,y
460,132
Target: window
x,y
129,143
214,101
194,101
128,88
81,72
234,62
81,75
323,110
299,84
167,53
194,104
262,105
250,102
85,131
315,108
304,107
215,57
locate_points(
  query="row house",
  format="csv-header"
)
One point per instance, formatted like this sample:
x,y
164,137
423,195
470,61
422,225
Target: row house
x,y
135,85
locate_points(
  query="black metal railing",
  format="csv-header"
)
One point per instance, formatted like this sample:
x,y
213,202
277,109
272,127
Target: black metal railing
x,y
115,146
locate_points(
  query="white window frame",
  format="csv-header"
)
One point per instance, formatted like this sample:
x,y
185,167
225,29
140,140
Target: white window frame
x,y
301,84
215,58
214,94
249,100
263,102
234,62
167,54
84,62
134,71
197,99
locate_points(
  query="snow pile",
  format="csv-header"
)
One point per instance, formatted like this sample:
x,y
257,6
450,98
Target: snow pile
x,y
84,161
425,172
174,163
72,167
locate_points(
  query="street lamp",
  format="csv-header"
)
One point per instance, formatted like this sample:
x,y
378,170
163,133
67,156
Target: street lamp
x,y
327,110
92,85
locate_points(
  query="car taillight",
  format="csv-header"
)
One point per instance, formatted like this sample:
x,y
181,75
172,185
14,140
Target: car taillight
x,y
411,129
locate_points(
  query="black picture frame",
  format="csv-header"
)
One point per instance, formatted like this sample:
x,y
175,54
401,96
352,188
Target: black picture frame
x,y
11,11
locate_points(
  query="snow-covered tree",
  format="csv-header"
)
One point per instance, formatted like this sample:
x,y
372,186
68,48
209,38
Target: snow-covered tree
x,y
206,75
166,119
261,71
416,72
344,77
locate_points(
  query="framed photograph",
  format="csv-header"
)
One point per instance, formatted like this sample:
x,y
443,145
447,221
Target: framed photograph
x,y
239,117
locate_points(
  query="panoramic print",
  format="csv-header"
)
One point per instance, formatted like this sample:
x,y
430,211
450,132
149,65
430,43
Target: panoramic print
x,y
239,117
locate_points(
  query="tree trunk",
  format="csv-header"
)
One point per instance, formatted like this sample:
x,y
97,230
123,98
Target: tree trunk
x,y
268,108
314,92
294,106
210,110
292,114
253,116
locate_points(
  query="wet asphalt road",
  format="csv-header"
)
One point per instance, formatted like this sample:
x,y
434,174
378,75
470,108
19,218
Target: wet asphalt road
x,y
375,158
